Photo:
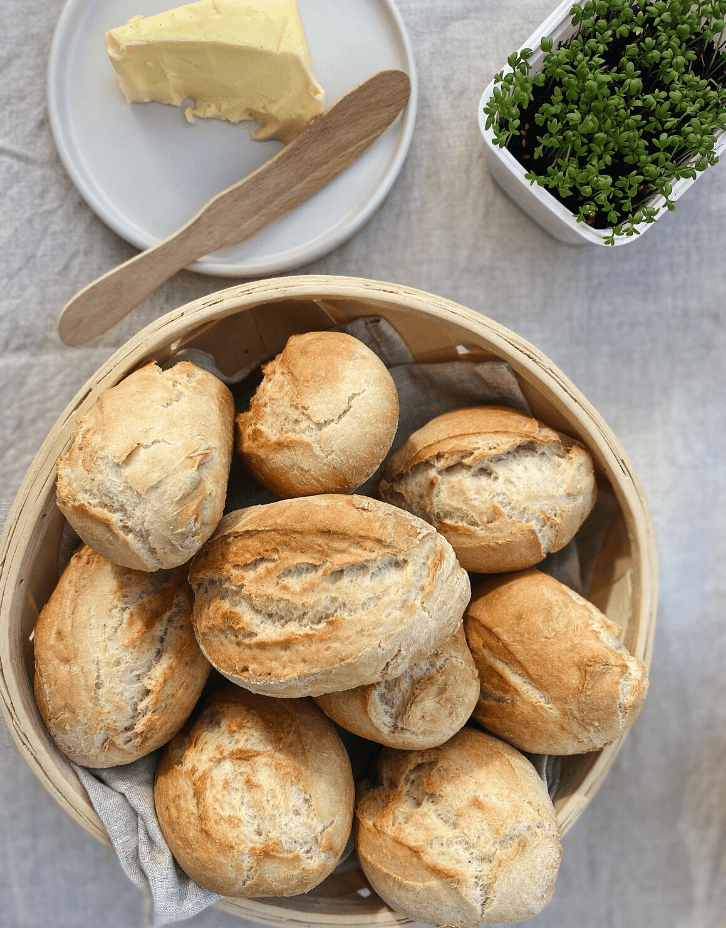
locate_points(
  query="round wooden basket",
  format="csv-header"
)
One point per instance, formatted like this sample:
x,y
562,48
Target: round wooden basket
x,y
253,321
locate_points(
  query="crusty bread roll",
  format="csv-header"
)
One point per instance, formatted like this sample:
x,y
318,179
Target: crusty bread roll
x,y
323,593
323,418
145,477
502,487
459,835
255,796
555,678
117,667
431,700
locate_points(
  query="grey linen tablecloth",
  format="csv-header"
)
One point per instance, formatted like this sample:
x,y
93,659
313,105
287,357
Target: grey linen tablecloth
x,y
640,330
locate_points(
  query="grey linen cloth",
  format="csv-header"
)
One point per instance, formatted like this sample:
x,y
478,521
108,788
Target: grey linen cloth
x,y
124,799
123,796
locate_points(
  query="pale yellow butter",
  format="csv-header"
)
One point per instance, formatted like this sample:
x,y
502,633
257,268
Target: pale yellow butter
x,y
236,59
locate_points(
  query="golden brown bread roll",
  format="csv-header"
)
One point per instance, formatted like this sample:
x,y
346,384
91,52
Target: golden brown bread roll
x,y
459,835
323,418
117,667
145,477
555,677
503,488
323,593
423,707
255,796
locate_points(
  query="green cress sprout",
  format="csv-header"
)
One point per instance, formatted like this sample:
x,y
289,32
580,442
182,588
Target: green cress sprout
x,y
621,110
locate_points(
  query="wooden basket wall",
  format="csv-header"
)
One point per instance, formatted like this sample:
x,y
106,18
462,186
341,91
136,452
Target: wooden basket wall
x,y
253,321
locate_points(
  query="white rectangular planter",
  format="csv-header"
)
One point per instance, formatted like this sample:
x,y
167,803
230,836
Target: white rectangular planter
x,y
536,201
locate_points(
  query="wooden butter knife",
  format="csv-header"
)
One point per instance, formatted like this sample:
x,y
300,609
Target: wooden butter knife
x,y
340,135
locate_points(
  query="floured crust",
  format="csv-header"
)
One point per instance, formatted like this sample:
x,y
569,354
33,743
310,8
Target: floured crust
x,y
145,477
117,667
459,835
422,708
323,593
255,798
503,488
555,677
323,418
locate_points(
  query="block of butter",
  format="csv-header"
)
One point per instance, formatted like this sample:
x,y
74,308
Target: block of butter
x,y
236,59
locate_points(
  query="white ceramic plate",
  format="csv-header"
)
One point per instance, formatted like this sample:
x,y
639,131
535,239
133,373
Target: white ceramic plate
x,y
146,171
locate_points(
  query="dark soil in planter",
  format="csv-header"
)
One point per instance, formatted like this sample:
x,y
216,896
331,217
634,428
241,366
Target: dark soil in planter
x,y
523,146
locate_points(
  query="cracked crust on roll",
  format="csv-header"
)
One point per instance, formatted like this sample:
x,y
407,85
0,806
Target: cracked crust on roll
x,y
422,708
255,796
554,675
323,593
117,667
323,418
460,835
145,477
502,487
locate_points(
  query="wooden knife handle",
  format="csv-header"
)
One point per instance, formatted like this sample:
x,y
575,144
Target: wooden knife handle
x,y
107,300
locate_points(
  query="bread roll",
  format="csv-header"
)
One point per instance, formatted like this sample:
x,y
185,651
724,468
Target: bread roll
x,y
255,797
459,835
431,700
555,678
323,593
503,488
117,667
323,418
145,477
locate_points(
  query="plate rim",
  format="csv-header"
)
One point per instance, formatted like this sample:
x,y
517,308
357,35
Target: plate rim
x,y
261,267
